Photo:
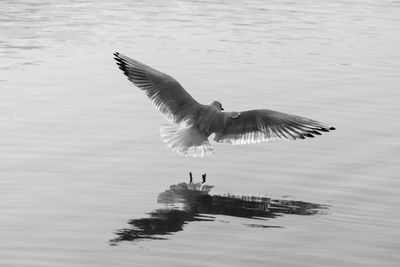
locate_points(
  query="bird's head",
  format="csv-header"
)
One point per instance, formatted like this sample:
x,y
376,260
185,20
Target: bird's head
x,y
217,104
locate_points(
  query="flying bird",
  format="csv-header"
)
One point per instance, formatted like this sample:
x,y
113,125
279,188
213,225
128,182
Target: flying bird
x,y
192,123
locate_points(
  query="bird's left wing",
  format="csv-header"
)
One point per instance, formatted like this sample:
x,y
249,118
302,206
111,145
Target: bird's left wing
x,y
255,126
167,95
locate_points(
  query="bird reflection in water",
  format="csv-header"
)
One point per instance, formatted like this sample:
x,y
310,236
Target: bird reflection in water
x,y
187,202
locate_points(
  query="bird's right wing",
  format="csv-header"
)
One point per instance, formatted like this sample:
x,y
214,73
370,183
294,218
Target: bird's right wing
x,y
254,126
167,95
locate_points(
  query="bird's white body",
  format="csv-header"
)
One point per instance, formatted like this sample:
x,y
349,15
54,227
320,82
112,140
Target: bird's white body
x,y
188,141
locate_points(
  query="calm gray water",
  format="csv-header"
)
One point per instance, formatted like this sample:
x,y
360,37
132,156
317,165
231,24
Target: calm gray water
x,y
80,152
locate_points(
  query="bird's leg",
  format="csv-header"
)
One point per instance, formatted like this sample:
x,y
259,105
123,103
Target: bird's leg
x,y
203,176
191,177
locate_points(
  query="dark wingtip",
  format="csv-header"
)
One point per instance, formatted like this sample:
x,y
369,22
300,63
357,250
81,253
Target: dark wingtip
x,y
121,64
116,57
332,128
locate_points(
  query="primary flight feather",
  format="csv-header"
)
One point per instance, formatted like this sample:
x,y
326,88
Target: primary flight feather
x,y
193,123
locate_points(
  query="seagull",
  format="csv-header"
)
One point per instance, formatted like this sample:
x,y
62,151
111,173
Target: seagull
x,y
192,123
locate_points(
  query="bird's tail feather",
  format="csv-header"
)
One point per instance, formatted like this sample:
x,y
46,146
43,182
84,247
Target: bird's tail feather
x,y
186,141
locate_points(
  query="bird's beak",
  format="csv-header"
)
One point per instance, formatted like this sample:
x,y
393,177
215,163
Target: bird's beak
x,y
222,108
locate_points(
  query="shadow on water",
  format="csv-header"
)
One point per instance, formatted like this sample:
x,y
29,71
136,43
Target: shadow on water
x,y
187,202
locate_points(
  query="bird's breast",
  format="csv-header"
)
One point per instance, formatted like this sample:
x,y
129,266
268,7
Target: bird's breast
x,y
209,121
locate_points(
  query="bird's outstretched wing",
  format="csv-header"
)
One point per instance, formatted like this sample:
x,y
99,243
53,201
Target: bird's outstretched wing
x,y
167,95
255,126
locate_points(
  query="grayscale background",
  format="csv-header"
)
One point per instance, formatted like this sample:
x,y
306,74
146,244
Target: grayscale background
x,y
80,151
